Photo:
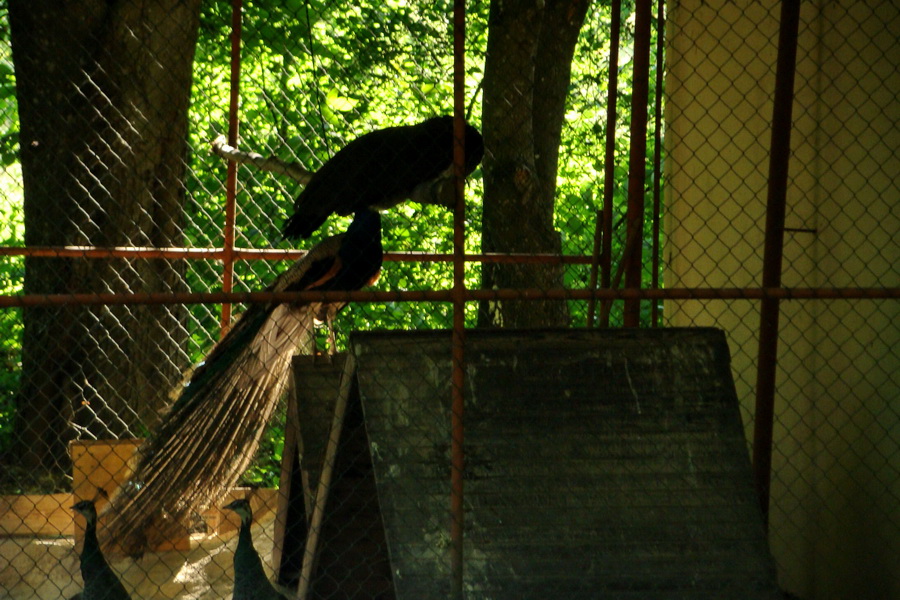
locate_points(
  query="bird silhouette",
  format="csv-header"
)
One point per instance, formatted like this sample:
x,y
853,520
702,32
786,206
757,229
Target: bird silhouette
x,y
250,580
381,169
100,581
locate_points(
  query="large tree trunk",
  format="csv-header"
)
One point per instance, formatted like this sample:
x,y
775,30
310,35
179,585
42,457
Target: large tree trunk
x,y
103,90
527,75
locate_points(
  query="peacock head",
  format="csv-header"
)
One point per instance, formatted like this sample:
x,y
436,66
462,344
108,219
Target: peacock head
x,y
87,509
242,507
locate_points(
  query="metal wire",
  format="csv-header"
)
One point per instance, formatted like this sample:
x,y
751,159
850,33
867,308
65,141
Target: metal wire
x,y
820,258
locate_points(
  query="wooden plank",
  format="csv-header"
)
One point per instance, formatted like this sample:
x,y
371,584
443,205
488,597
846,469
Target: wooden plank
x,y
100,464
598,464
316,385
352,559
318,389
349,557
324,485
36,515
291,520
51,515
105,464
263,502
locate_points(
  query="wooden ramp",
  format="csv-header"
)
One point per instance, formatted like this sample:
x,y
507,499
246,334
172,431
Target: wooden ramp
x,y
599,464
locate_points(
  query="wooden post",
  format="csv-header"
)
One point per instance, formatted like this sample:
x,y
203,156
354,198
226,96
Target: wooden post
x,y
324,487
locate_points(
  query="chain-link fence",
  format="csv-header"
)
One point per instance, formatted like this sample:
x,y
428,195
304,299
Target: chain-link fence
x,y
835,415
153,152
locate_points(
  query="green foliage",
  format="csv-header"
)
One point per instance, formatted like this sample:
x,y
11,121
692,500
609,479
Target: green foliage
x,y
581,161
266,471
12,233
9,113
12,275
314,75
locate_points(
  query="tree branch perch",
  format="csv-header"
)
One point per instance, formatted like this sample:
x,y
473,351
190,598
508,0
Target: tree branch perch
x,y
272,164
438,191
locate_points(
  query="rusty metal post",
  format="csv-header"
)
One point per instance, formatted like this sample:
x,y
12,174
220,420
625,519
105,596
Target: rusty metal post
x,y
657,157
637,158
231,175
779,159
457,408
276,254
602,255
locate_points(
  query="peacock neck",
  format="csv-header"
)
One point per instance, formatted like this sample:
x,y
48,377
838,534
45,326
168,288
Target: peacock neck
x,y
245,540
91,557
246,560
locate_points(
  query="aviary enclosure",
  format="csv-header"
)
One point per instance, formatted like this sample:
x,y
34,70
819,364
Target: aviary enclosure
x,y
653,176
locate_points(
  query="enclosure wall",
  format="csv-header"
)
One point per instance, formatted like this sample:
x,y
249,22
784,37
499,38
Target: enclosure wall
x,y
835,432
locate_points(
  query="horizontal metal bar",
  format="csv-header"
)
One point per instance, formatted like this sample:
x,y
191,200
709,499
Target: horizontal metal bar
x,y
446,296
132,252
111,252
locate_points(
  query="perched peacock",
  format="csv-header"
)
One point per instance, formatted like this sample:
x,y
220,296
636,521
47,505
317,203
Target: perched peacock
x,y
382,168
100,582
250,580
209,436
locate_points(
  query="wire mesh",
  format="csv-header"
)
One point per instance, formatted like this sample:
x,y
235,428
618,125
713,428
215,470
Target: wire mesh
x,y
723,61
113,147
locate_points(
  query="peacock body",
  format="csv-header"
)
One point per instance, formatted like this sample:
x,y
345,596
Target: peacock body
x,y
379,170
250,580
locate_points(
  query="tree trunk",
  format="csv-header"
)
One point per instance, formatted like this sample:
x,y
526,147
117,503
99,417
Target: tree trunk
x,y
527,73
103,90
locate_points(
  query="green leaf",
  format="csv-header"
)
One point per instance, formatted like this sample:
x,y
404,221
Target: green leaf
x,y
338,102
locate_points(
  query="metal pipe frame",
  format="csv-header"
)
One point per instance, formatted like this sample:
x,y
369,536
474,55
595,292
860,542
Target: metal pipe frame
x,y
458,342
779,161
657,157
602,255
271,254
892,293
637,158
231,174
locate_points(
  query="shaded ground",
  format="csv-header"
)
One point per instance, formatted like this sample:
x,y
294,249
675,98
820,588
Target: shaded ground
x,y
48,569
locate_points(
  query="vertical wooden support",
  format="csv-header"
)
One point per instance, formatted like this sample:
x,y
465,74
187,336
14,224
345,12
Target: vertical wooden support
x,y
324,487
291,519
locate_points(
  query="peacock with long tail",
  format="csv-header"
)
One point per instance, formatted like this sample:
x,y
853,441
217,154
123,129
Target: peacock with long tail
x,y
210,434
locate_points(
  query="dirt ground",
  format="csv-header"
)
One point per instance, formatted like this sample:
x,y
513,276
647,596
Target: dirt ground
x,y
48,569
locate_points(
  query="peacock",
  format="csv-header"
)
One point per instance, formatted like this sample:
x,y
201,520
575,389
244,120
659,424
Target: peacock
x,y
100,582
382,168
250,580
210,434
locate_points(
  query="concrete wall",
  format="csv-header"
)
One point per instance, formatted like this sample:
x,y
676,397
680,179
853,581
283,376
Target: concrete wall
x,y
835,517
